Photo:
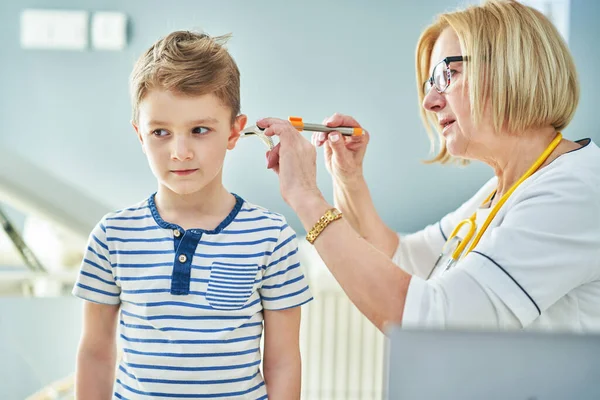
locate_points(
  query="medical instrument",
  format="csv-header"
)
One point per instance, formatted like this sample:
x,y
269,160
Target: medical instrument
x,y
299,124
461,244
254,130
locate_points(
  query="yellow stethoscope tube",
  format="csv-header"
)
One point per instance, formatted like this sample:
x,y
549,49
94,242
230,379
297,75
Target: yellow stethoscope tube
x,y
463,243
456,254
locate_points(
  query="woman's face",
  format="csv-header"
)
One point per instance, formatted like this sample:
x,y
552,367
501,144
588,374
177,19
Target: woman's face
x,y
453,108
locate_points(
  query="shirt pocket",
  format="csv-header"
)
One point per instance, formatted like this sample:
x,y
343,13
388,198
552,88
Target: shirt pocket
x,y
230,285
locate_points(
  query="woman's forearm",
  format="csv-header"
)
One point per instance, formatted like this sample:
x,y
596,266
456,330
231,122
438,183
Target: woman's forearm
x,y
370,279
355,202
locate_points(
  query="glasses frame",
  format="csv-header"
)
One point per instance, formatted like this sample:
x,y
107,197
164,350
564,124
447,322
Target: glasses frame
x,y
430,83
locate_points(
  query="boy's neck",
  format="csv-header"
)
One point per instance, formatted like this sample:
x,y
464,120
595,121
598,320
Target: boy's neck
x,y
204,209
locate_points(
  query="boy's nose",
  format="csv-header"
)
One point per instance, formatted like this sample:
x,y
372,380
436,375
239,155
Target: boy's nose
x,y
181,149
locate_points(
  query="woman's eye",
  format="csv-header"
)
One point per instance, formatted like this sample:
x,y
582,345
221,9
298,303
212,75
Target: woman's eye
x,y
200,130
160,132
453,72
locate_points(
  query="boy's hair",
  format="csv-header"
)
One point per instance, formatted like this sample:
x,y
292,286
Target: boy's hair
x,y
187,63
517,60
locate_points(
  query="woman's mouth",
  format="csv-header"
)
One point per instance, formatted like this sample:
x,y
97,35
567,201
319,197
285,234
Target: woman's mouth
x,y
447,126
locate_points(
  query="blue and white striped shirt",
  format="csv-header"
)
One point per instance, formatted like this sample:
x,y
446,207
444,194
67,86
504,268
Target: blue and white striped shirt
x,y
191,301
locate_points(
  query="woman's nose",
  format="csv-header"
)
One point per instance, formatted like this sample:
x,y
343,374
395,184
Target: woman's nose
x,y
434,101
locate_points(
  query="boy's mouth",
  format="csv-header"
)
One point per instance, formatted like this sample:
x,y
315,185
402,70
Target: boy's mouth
x,y
183,172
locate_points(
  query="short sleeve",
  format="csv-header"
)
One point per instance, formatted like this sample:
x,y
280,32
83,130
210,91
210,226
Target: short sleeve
x,y
284,284
455,300
96,281
547,244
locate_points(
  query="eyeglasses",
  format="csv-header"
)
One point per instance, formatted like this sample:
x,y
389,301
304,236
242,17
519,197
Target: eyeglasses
x,y
441,76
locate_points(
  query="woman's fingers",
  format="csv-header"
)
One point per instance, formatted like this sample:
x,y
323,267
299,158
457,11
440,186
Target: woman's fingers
x,y
273,158
340,120
320,138
336,120
286,133
355,142
293,159
265,123
328,150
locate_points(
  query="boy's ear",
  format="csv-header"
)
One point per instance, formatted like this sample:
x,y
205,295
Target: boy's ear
x,y
236,128
139,135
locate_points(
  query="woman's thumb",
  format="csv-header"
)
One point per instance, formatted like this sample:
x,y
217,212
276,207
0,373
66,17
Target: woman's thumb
x,y
336,141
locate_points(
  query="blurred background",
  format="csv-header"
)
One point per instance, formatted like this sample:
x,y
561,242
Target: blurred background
x,y
68,154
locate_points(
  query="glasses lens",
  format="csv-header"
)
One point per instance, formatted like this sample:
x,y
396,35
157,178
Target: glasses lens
x,y
440,76
427,87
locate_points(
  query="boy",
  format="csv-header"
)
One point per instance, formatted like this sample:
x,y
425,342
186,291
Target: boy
x,y
193,269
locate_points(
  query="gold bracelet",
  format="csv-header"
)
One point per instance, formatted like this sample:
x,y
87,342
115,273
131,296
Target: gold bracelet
x,y
330,215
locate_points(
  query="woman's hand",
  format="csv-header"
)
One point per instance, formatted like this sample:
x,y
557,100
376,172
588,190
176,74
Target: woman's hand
x,y
294,159
344,155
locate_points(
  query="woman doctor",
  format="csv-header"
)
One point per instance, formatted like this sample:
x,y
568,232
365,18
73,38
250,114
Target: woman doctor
x,y
498,84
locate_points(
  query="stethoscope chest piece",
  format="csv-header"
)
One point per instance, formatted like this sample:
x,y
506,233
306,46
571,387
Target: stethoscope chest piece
x,y
446,261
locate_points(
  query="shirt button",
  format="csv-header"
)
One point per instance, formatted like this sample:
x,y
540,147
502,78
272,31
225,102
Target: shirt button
x,y
182,258
176,233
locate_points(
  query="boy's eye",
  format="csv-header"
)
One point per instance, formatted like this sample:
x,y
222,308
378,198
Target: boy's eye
x,y
160,132
200,130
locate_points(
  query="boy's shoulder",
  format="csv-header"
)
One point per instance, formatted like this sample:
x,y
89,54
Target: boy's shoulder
x,y
135,212
258,213
141,208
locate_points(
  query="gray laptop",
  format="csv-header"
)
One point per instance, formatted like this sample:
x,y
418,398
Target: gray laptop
x,y
425,365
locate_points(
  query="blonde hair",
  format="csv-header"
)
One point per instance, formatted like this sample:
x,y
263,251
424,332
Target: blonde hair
x,y
187,63
517,61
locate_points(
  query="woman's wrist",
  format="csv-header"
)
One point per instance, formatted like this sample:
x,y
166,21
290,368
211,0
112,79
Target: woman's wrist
x,y
310,208
350,200
349,183
345,191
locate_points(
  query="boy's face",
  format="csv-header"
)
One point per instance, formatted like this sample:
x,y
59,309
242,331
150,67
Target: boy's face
x,y
185,139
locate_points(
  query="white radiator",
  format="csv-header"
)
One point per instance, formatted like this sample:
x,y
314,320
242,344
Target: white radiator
x,y
342,351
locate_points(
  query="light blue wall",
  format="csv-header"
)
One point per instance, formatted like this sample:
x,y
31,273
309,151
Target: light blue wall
x,y
69,111
584,34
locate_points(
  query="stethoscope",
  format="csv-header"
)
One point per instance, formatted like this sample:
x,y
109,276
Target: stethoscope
x,y
455,246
